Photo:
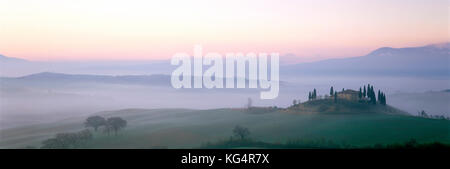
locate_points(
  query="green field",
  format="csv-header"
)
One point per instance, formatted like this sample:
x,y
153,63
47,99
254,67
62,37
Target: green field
x,y
356,125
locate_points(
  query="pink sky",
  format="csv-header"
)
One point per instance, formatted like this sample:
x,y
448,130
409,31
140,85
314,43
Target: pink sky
x,y
141,30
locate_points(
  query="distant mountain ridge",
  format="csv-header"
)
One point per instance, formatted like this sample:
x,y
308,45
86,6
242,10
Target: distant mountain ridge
x,y
58,78
4,58
428,60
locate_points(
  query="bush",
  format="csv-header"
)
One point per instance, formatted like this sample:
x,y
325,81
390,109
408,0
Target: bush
x,y
67,140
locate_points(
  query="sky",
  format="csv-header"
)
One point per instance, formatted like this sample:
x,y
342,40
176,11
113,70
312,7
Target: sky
x,y
154,30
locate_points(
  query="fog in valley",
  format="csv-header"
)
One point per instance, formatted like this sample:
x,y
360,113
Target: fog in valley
x,y
414,79
29,103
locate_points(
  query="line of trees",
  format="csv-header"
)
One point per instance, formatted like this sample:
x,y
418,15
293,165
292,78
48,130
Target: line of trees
x,y
365,93
75,139
369,93
112,124
67,140
381,98
312,95
426,115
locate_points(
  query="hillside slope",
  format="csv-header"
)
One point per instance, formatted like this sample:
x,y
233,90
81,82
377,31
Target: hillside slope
x,y
343,107
184,128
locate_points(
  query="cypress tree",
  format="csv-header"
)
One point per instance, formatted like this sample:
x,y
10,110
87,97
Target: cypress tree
x,y
364,93
331,91
335,97
379,96
360,93
372,96
314,94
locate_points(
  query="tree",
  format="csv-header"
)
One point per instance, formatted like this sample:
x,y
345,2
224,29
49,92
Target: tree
x,y
423,114
241,132
294,102
314,94
360,93
371,94
309,96
115,124
249,103
95,122
84,135
67,140
364,92
382,98
379,96
331,91
335,97
372,97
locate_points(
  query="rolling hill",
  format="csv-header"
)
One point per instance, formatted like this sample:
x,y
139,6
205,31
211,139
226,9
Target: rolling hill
x,y
327,106
186,128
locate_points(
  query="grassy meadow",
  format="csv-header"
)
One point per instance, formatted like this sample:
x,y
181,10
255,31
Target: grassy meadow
x,y
353,124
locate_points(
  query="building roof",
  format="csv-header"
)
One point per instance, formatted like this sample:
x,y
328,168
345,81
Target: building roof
x,y
349,91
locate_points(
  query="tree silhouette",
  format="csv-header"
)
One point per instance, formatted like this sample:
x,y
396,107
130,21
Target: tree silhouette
x,y
423,114
360,93
249,103
364,92
371,95
331,91
115,124
379,96
67,140
95,122
241,132
335,97
382,98
314,94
